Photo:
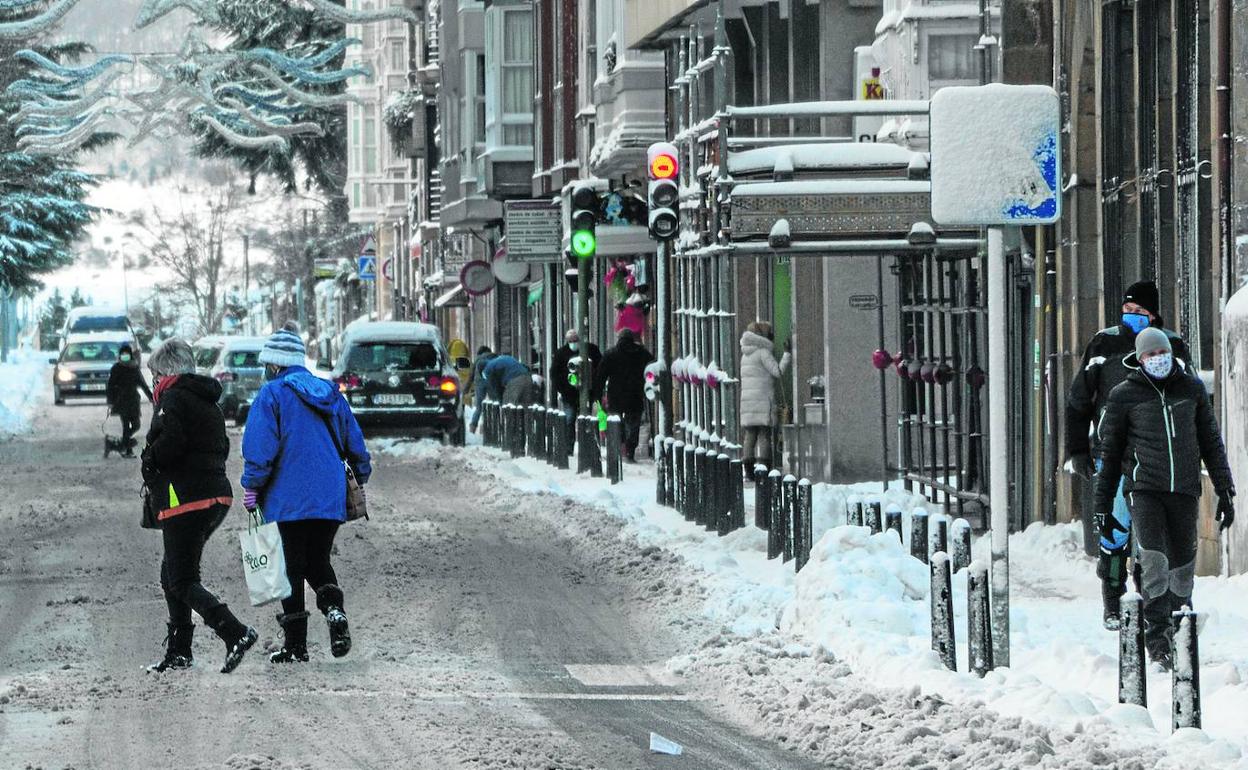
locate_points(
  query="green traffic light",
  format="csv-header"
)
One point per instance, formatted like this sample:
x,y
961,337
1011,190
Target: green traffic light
x,y
584,244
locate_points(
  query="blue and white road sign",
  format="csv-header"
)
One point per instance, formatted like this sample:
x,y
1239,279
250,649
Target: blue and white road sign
x,y
366,266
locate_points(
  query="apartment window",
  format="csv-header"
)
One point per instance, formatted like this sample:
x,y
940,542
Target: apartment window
x,y
517,77
370,139
951,60
357,140
478,134
398,56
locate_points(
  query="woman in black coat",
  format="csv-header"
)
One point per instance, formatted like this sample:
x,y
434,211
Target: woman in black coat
x,y
125,381
188,495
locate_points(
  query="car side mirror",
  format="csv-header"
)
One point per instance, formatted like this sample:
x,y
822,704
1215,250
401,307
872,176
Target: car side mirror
x,y
324,363
463,363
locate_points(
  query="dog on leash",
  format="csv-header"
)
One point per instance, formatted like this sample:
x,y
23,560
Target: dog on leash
x,y
118,445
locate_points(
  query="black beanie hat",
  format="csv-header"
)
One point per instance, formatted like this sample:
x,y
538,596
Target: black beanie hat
x,y
1144,294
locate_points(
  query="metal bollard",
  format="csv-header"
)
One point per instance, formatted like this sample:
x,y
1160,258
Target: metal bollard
x,y
689,498
698,487
942,611
582,444
723,495
615,454
736,495
979,619
961,535
678,475
775,515
918,534
762,498
594,450
1132,681
803,522
790,512
489,431
660,480
518,432
938,534
892,522
504,422
856,514
711,495
553,424
873,518
541,434
563,448
1185,687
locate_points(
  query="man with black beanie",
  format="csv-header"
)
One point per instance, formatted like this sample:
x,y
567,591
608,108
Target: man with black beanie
x,y
1101,370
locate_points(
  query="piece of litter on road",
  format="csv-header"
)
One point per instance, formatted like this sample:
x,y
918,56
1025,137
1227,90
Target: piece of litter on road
x,y
661,745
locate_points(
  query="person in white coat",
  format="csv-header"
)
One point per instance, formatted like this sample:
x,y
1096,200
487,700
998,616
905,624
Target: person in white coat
x,y
759,372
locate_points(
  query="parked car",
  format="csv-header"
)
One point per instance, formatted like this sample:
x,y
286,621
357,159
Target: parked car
x,y
398,377
83,365
237,367
207,352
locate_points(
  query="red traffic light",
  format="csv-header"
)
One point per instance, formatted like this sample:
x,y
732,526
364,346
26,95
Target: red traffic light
x,y
661,160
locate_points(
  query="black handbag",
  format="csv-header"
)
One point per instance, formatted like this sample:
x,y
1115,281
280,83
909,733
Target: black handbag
x,y
148,520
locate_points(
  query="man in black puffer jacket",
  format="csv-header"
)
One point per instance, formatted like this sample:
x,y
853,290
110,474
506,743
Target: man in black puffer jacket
x,y
1159,422
622,377
1101,371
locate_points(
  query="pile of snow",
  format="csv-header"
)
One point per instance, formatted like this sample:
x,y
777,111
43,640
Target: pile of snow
x,y
863,600
26,384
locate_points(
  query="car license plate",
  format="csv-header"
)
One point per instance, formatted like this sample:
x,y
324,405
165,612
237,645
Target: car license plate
x,y
93,386
394,399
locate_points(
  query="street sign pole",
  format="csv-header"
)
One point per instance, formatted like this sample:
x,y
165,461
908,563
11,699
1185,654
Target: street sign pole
x,y
998,438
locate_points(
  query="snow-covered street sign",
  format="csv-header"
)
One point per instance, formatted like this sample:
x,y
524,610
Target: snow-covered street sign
x,y
996,155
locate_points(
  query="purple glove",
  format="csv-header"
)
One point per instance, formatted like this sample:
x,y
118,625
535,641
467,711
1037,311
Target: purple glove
x,y
249,499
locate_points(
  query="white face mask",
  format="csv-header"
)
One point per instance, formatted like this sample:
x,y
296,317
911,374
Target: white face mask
x,y
1158,367
574,345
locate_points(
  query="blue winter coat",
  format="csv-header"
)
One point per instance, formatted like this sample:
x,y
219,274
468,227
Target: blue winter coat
x,y
500,371
289,456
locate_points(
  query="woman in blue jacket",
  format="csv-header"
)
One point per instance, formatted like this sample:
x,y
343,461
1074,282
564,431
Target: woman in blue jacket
x,y
293,473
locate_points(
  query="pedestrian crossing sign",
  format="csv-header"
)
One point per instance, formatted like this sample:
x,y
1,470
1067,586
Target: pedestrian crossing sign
x,y
366,266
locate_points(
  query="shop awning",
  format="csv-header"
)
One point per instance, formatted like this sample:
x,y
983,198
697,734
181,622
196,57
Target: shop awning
x,y
453,298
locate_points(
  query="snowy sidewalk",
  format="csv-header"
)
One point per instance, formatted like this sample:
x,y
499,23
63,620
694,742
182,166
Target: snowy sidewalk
x,y
25,383
863,600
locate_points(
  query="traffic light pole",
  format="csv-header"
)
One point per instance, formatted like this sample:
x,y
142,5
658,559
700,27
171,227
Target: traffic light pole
x,y
582,328
663,345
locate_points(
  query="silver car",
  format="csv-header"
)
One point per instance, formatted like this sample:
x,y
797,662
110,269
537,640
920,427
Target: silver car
x,y
240,373
84,364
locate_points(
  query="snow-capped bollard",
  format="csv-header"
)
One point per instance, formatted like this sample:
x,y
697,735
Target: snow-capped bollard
x,y
724,494
700,492
803,524
918,534
689,499
789,515
615,459
1132,681
1185,681
662,477
942,611
536,442
892,521
874,518
714,490
489,426
775,515
678,475
762,497
518,433
583,439
938,526
564,427
961,536
856,513
737,485
979,619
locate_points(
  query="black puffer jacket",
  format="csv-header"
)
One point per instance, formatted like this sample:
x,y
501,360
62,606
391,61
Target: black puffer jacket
x,y
1155,433
184,460
623,377
124,383
1101,371
559,370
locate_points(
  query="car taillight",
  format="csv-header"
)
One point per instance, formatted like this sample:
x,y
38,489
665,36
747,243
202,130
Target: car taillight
x,y
347,382
448,386
225,376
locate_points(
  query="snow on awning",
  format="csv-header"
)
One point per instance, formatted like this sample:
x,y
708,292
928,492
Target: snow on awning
x,y
453,298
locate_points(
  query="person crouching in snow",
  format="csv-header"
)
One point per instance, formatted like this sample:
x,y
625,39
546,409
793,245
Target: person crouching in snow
x,y
298,431
189,495
1160,421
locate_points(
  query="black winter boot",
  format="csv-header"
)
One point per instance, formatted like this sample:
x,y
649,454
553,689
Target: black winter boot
x,y
329,600
295,647
177,650
238,638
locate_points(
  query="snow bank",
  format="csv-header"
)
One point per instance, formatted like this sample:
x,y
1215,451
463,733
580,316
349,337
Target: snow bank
x,y
864,601
24,384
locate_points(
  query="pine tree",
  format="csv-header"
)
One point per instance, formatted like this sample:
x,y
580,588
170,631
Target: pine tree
x,y
43,208
294,31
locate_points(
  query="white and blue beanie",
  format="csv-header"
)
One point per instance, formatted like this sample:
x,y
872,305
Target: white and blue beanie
x,y
285,347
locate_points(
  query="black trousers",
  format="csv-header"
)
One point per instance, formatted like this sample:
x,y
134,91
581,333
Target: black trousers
x,y
130,423
1164,528
185,536
632,431
307,545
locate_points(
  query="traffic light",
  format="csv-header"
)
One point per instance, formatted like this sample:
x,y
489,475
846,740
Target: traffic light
x,y
574,371
664,194
584,241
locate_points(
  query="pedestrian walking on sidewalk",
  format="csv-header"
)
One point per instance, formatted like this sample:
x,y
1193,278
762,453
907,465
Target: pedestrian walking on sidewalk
x,y
1101,371
1160,422
189,494
622,379
759,373
299,431
125,382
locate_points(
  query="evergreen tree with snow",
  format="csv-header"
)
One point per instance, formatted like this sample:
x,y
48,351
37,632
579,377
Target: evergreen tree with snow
x,y
43,208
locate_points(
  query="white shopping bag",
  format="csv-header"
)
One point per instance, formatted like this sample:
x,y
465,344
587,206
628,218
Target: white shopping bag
x,y
264,562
